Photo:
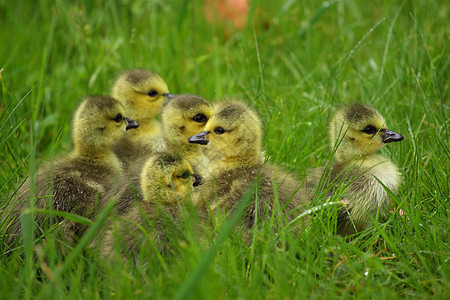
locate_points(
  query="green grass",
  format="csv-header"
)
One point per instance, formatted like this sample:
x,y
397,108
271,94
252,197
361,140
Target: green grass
x,y
294,61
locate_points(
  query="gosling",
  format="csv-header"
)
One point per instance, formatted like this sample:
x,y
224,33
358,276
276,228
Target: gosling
x,y
165,182
356,132
234,136
76,180
182,117
143,94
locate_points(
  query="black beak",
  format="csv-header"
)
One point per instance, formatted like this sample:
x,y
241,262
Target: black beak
x,y
198,180
199,138
391,136
168,96
131,124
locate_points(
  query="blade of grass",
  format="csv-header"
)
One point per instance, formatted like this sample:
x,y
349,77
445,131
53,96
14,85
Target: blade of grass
x,y
195,276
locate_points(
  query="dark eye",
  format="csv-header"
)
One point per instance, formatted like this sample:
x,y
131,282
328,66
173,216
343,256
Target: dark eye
x,y
152,93
118,118
369,129
219,130
200,118
185,175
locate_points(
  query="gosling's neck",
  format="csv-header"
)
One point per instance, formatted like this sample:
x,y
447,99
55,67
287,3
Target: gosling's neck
x,y
237,161
98,155
181,147
348,153
147,128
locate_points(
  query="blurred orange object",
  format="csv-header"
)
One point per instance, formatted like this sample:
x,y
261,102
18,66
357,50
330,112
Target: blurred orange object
x,y
230,11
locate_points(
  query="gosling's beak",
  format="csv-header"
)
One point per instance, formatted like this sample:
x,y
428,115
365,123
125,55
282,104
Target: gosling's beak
x,y
199,138
391,136
168,96
198,180
131,124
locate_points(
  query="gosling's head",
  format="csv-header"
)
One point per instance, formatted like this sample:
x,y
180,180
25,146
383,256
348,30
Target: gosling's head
x,y
166,177
182,117
233,135
98,123
141,92
362,129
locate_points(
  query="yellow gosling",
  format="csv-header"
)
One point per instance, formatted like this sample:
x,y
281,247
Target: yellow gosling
x,y
73,183
166,181
234,136
143,94
182,117
356,132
